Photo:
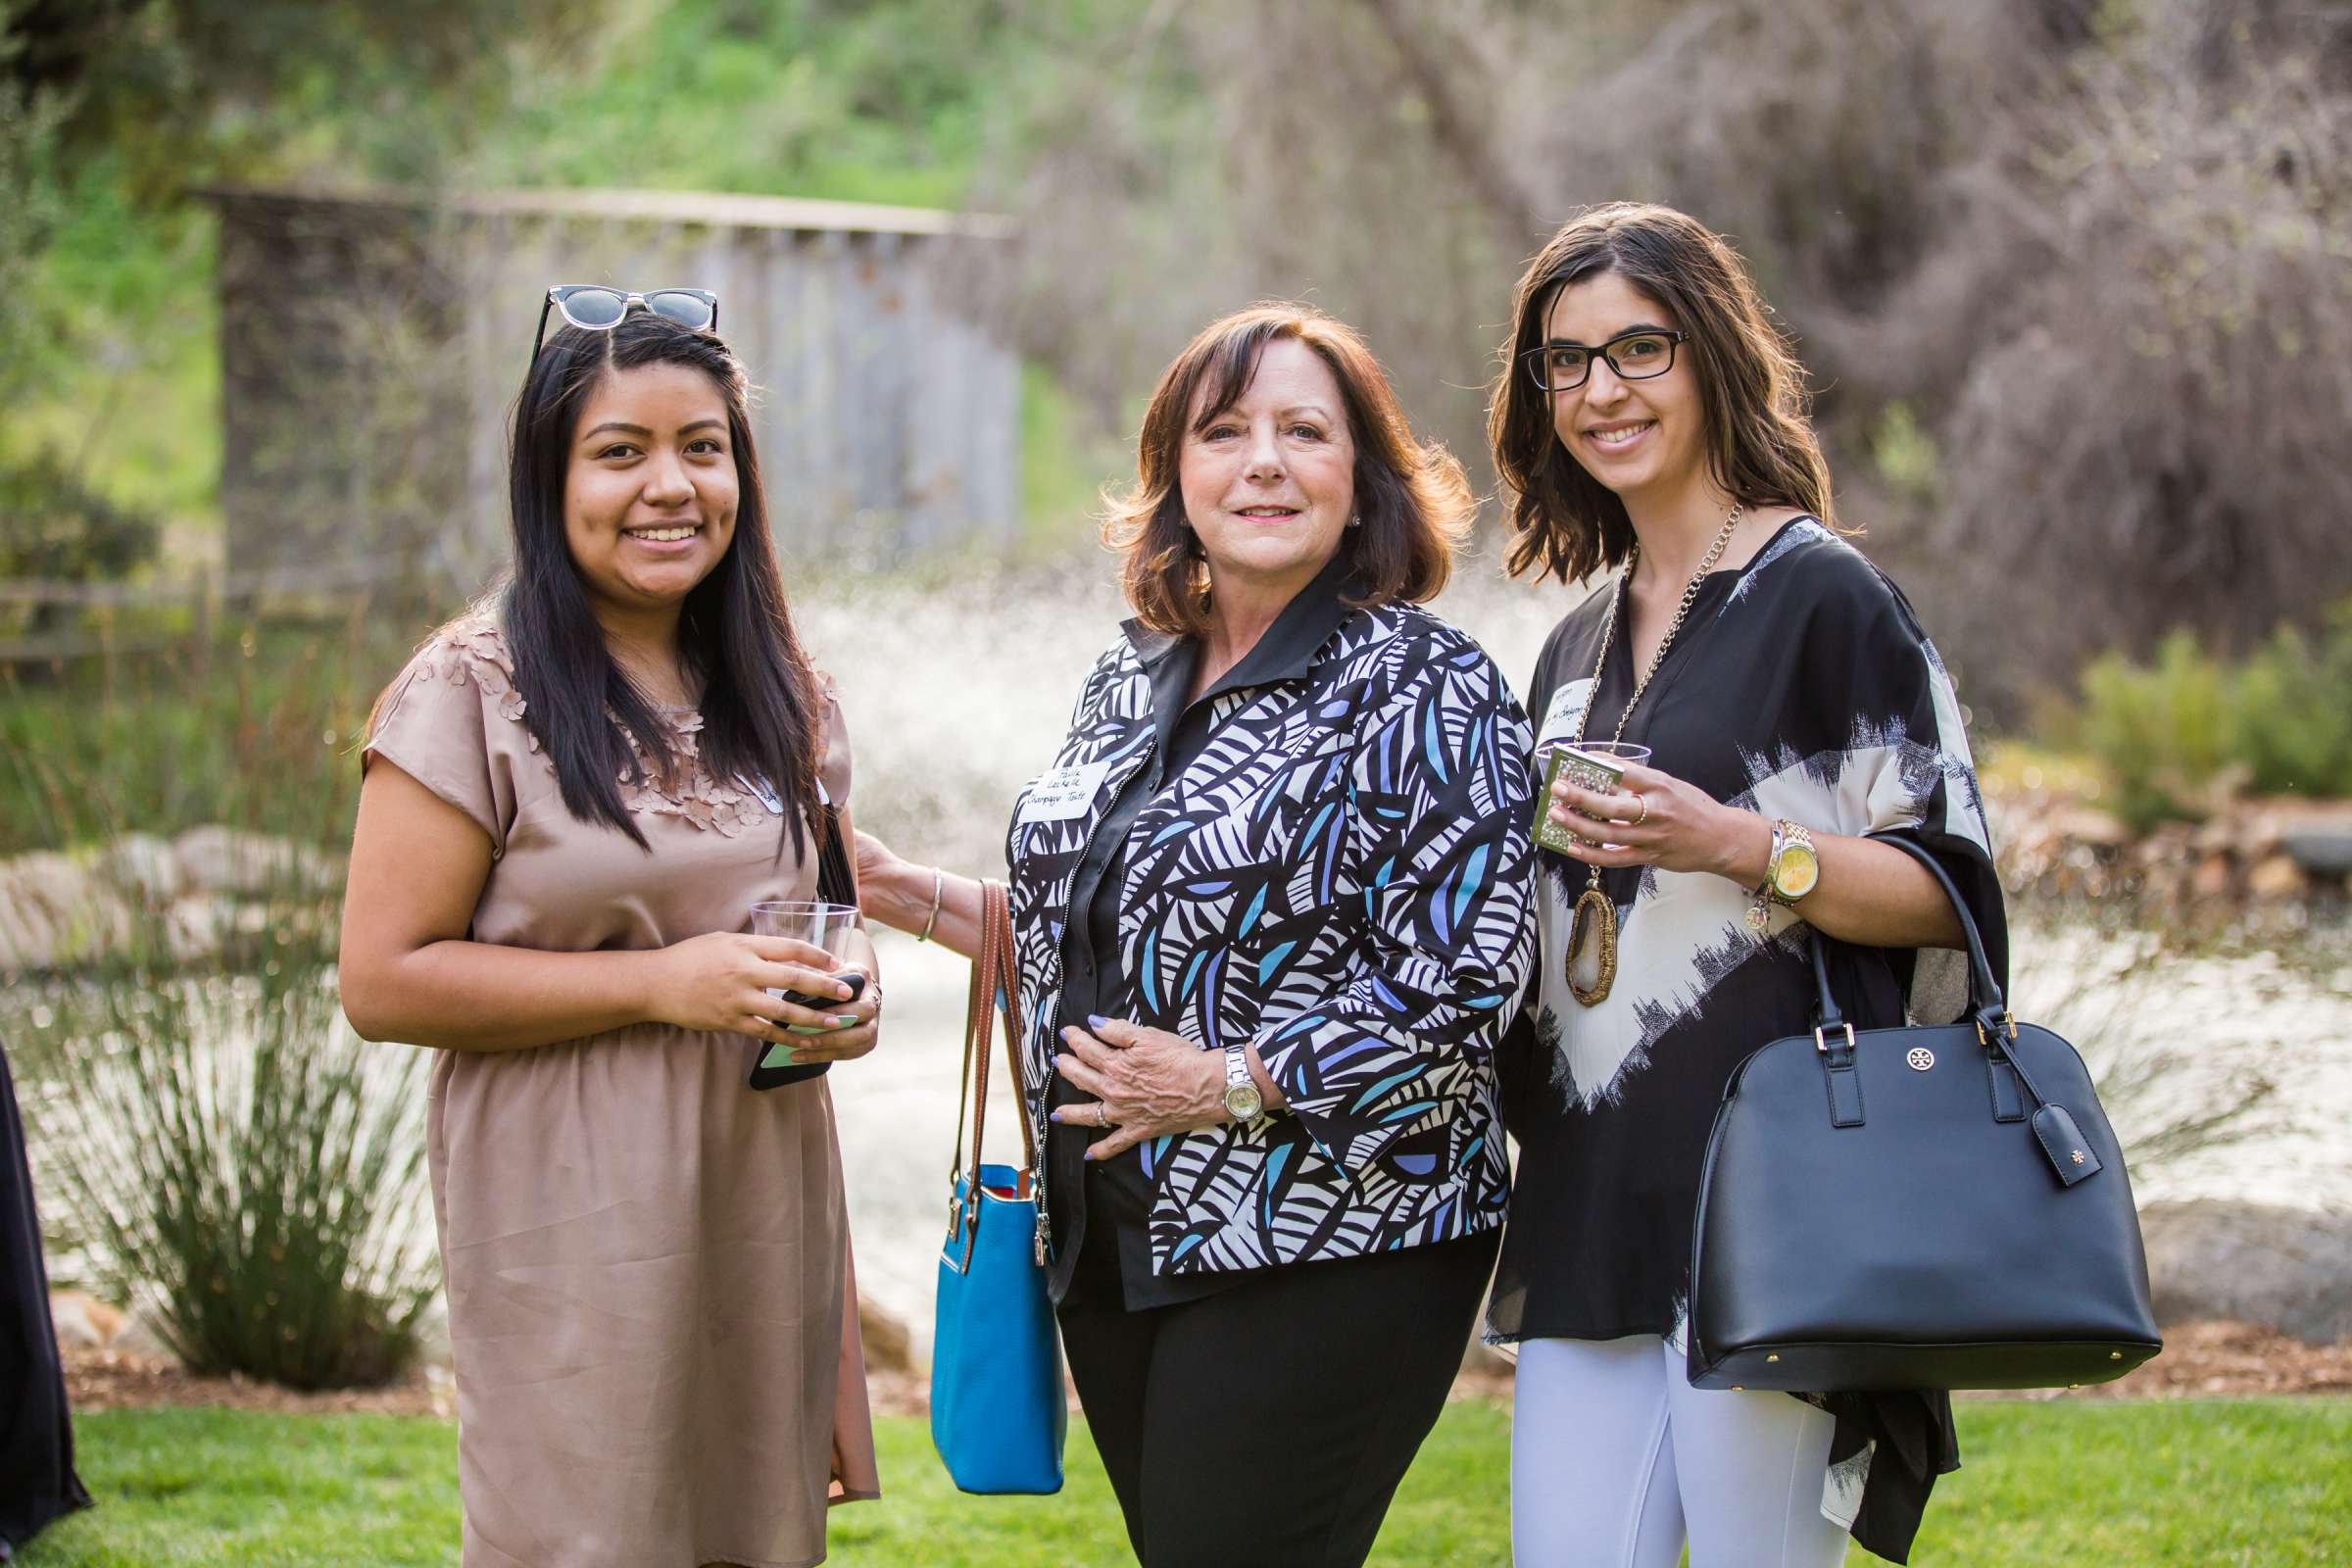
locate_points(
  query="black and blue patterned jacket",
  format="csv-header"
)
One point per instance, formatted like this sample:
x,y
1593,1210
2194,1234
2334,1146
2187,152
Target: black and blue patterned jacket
x,y
1342,877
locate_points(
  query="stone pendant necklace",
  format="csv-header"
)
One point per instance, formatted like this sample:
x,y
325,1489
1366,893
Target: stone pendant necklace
x,y
1595,910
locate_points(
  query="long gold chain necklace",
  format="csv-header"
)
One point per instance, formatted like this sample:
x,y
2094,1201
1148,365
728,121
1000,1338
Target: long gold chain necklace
x,y
1596,908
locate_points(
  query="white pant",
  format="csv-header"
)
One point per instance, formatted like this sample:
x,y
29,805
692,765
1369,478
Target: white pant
x,y
1615,1458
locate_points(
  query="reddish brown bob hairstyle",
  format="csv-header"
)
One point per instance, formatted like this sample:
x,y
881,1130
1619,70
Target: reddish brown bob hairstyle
x,y
1413,499
1761,440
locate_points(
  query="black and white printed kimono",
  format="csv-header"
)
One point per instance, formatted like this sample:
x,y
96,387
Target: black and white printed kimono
x,y
1800,686
1339,876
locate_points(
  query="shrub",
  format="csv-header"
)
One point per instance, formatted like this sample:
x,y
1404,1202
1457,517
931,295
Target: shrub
x,y
2161,731
226,1153
2294,711
255,725
54,526
2174,733
235,1159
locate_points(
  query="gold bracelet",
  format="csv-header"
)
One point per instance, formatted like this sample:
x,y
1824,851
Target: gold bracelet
x,y
939,882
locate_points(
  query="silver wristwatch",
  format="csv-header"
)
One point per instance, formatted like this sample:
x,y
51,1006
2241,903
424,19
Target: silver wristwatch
x,y
1243,1101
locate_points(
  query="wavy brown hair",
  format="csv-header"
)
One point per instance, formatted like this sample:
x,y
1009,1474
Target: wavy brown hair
x,y
1760,443
1413,499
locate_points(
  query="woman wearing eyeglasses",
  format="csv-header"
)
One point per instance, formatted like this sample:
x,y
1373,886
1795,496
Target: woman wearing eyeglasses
x,y
1650,423
573,795
1270,906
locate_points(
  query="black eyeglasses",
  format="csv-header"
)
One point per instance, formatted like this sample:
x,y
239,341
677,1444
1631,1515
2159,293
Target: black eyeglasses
x,y
597,309
1634,356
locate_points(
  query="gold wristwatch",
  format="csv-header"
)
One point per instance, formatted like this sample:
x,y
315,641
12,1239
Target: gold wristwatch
x,y
1792,871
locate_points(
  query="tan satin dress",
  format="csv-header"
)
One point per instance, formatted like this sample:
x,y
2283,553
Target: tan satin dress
x,y
651,1299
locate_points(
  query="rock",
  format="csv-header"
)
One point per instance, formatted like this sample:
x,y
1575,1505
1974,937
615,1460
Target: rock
x,y
2321,849
143,869
2168,845
889,1348
2162,882
198,927
139,1337
2216,835
226,860
2088,825
54,913
2277,877
2211,879
82,1321
2287,1269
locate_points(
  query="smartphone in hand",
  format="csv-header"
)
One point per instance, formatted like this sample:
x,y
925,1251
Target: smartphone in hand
x,y
773,1067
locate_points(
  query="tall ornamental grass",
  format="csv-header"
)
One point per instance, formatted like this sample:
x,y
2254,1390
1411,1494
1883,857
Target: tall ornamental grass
x,y
215,1144
241,1164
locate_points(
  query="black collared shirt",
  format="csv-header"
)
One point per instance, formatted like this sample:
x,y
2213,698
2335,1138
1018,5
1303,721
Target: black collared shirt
x,y
1114,1252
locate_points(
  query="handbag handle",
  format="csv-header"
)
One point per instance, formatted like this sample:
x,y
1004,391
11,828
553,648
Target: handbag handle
x,y
836,873
994,980
1986,1003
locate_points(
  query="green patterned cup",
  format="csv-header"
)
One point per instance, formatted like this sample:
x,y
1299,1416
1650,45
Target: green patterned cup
x,y
1597,765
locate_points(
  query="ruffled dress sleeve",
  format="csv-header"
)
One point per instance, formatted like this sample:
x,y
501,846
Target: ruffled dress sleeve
x,y
451,721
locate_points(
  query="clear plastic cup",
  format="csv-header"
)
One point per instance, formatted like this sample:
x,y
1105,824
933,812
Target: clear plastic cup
x,y
817,923
820,925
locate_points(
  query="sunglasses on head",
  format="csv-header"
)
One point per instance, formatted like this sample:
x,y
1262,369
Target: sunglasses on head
x,y
594,308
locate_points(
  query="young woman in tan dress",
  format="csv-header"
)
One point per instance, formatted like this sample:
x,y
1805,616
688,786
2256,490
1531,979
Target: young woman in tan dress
x,y
573,795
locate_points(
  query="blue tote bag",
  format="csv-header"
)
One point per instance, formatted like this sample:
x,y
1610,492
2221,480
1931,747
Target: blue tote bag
x,y
997,1413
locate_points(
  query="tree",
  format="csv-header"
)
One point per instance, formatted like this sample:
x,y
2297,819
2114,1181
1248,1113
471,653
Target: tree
x,y
2069,276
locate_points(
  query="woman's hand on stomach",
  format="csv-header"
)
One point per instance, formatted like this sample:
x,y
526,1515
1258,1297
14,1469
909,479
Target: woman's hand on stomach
x,y
1146,1083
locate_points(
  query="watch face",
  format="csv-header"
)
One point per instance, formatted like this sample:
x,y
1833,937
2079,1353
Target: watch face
x,y
1798,871
1243,1102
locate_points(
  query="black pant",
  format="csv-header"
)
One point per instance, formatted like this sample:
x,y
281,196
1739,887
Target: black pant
x,y
1270,1423
38,1483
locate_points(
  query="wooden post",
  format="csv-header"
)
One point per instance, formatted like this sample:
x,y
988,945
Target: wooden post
x,y
200,625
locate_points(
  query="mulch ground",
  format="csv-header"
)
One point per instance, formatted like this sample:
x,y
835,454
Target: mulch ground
x,y
2211,1360
2199,1360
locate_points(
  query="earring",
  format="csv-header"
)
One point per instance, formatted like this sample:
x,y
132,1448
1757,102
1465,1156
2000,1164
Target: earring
x,y
1355,520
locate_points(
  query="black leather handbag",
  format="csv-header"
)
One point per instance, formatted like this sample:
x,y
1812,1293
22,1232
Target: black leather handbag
x,y
1940,1207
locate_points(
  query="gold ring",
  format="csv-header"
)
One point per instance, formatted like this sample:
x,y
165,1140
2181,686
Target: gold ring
x,y
1644,801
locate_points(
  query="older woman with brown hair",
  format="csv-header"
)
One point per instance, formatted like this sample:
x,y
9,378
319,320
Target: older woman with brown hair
x,y
1270,908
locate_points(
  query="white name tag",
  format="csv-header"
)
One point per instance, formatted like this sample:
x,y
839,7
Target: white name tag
x,y
1063,792
1565,717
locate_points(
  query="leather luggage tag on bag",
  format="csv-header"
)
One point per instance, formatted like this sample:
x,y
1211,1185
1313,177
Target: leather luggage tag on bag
x,y
2070,1156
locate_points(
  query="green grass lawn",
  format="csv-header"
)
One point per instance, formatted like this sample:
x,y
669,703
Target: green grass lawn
x,y
2255,1482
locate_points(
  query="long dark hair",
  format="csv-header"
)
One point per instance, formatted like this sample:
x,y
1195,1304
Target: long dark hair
x,y
1760,441
759,700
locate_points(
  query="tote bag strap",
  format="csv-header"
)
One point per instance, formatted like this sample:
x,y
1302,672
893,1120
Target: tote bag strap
x,y
1986,1003
994,987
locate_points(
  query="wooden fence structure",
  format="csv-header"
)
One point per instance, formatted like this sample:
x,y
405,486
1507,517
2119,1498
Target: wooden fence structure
x,y
200,599
372,344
